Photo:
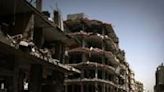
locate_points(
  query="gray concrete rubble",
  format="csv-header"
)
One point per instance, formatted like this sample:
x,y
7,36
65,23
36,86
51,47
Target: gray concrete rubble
x,y
31,50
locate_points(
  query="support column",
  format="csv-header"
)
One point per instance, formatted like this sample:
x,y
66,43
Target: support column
x,y
65,55
96,76
20,81
81,82
62,52
15,77
66,88
103,61
35,78
57,50
107,90
83,43
111,89
73,88
87,90
84,59
82,87
9,84
96,72
103,72
96,87
103,88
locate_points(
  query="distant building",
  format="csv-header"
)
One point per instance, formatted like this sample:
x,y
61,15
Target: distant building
x,y
132,81
139,86
159,86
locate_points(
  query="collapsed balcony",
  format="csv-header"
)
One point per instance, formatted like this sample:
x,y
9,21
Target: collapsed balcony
x,y
94,64
78,55
31,50
93,70
95,41
17,66
93,26
27,29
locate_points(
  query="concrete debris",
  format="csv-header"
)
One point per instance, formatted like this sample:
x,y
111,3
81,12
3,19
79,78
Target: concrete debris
x,y
32,49
23,43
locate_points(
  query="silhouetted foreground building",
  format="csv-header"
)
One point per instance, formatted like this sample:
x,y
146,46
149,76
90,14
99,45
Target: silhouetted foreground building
x,y
31,50
159,85
98,56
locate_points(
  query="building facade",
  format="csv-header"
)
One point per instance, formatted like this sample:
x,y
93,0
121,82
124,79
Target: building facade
x,y
37,54
98,56
159,84
139,86
31,50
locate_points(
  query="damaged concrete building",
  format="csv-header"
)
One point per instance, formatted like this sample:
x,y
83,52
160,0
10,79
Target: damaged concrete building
x,y
37,54
31,49
102,63
159,84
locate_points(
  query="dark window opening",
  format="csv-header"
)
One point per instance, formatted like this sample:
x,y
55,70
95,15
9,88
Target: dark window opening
x,y
75,58
94,44
89,73
96,59
74,76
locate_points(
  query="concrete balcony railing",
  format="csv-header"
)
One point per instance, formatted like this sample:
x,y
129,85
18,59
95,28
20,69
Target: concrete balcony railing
x,y
94,65
93,55
94,80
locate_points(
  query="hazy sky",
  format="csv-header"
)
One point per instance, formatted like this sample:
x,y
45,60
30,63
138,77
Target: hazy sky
x,y
139,24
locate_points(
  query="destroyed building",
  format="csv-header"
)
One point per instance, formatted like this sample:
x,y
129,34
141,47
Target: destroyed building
x,y
159,84
31,50
36,54
102,63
